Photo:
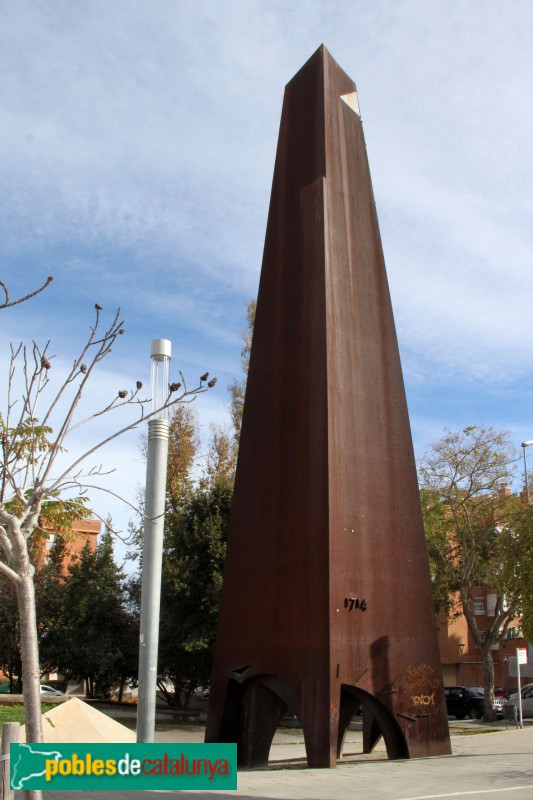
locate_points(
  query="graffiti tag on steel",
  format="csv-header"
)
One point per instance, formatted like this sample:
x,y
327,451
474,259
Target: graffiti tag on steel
x,y
421,684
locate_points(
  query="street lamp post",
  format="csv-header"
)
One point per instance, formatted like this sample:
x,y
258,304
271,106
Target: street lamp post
x,y
505,664
154,511
524,445
461,648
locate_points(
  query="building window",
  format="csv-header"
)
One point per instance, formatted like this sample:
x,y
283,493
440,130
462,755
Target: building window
x,y
492,599
479,605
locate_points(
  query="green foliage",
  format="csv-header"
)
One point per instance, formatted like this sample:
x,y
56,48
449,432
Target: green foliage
x,y
57,515
26,439
10,661
23,446
520,570
49,588
466,513
93,633
476,533
194,553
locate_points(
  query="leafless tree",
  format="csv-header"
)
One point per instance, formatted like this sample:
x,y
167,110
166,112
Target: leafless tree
x,y
35,478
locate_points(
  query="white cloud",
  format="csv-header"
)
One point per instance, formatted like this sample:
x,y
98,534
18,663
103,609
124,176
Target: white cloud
x,y
140,142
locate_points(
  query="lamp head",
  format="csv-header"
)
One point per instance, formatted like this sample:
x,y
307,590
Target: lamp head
x,y
160,353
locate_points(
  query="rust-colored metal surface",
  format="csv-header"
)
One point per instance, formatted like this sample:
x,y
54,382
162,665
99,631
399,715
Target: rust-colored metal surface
x,y
327,599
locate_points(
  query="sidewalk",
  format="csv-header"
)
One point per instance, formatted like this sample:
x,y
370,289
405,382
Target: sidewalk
x,y
487,763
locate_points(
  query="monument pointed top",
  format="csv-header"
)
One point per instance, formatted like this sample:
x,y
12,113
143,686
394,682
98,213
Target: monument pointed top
x,y
320,55
323,62
323,50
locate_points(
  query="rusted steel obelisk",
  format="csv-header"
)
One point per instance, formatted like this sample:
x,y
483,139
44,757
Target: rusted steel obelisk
x,y
327,599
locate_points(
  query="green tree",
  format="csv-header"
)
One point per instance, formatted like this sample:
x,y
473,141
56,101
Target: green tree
x,y
49,594
194,553
94,636
521,570
10,661
471,532
48,580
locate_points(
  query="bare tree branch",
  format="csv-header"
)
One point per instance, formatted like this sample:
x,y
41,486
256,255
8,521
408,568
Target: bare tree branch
x,y
8,303
9,573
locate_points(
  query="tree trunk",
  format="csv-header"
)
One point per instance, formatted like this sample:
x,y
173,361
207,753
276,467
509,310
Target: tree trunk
x,y
30,658
168,697
30,666
488,672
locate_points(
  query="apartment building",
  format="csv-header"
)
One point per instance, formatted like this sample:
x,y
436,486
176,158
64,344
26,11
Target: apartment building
x,y
461,658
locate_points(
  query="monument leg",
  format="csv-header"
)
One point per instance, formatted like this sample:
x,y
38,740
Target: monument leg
x,y
348,707
261,711
320,734
371,731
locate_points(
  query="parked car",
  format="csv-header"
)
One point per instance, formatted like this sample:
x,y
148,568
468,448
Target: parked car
x,y
527,700
45,690
464,702
524,688
499,703
499,698
49,690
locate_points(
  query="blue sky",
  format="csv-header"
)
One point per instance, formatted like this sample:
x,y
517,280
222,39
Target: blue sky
x,y
138,143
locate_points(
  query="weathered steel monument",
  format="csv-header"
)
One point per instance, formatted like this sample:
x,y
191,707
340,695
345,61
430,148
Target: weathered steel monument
x,y
327,599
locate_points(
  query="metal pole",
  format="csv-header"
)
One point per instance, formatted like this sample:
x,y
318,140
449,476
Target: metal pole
x,y
505,663
505,671
156,478
524,445
518,665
